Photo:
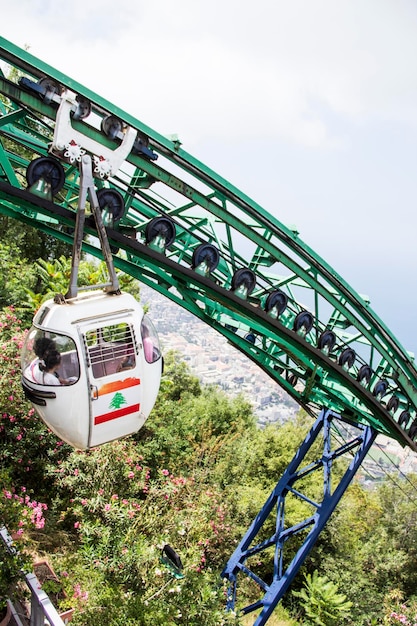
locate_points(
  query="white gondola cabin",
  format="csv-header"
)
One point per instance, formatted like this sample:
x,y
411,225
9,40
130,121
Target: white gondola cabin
x,y
91,367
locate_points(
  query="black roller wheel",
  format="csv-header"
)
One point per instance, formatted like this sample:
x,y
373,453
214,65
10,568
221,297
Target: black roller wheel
x,y
404,419
160,227
347,358
380,389
51,88
364,375
292,379
413,429
48,169
83,109
111,126
393,404
303,322
206,253
327,341
244,278
112,201
250,337
277,299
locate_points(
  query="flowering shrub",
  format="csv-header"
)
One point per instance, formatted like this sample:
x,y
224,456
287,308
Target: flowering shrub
x,y
27,445
21,512
123,513
399,612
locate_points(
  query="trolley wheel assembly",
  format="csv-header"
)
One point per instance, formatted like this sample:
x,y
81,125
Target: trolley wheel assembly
x,y
48,169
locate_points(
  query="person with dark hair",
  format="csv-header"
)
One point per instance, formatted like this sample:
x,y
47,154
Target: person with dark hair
x,y
43,369
48,367
41,347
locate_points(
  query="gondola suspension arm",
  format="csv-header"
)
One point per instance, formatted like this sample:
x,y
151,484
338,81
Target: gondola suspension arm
x,y
87,187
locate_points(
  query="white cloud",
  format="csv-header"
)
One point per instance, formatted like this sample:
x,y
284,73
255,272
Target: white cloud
x,y
274,68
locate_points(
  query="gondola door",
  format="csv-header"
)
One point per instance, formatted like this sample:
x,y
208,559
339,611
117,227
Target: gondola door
x,y
114,378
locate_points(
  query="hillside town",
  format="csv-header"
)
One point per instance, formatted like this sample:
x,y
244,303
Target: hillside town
x,y
215,361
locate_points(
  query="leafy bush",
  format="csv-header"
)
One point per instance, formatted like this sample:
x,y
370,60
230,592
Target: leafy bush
x,y
321,601
123,512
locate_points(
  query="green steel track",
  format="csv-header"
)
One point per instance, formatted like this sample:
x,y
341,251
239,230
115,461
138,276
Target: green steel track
x,y
257,255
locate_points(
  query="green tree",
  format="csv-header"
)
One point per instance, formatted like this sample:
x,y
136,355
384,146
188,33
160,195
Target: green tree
x,y
194,476
191,424
16,276
177,378
32,243
123,512
54,277
374,532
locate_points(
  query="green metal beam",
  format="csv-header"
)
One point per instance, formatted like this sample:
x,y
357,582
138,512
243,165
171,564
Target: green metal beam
x,y
205,208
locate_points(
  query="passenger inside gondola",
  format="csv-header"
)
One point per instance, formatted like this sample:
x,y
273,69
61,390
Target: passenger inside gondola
x,y
48,368
41,347
111,349
50,355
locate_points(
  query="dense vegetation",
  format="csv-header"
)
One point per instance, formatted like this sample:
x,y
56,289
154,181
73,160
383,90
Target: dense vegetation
x,y
194,477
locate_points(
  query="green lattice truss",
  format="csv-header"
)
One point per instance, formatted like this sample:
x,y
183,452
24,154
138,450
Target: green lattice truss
x,y
190,235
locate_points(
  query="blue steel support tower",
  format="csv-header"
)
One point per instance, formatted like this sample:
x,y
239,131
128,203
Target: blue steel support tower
x,y
311,526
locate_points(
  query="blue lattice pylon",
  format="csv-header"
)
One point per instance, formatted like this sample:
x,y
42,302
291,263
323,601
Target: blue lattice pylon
x,y
276,583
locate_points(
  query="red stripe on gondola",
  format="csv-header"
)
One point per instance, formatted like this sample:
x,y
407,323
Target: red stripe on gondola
x,y
106,417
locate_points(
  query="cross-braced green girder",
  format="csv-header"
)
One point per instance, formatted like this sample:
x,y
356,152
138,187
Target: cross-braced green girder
x,y
157,179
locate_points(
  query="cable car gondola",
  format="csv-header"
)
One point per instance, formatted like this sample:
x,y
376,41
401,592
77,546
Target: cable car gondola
x,y
91,367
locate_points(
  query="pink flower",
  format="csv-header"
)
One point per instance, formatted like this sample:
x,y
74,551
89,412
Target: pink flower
x,y
83,595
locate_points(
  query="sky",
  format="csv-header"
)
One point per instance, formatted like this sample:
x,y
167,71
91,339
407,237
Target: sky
x,y
308,106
